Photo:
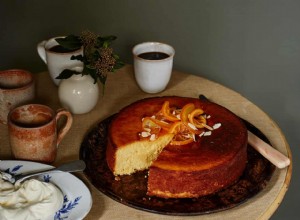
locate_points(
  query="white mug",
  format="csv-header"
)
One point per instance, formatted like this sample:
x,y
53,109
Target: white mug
x,y
153,62
57,61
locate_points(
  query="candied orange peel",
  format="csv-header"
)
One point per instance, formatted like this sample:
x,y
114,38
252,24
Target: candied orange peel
x,y
186,123
166,111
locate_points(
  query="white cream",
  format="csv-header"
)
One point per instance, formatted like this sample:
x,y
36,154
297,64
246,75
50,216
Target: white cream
x,y
31,200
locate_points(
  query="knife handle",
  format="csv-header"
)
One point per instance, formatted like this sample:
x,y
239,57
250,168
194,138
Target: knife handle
x,y
270,153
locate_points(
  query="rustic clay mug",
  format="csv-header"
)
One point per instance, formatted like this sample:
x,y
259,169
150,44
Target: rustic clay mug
x,y
57,60
16,88
34,134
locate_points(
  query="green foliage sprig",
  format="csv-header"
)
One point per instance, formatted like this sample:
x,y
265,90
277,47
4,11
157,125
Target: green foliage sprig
x,y
98,57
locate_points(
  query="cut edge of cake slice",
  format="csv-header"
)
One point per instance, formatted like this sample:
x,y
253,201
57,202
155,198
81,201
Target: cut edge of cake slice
x,y
139,155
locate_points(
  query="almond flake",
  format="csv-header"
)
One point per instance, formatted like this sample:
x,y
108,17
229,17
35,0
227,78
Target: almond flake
x,y
207,126
152,137
192,126
208,116
145,134
216,126
208,133
200,135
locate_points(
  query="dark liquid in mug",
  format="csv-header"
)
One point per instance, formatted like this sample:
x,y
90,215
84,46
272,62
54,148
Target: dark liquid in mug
x,y
60,49
31,125
153,55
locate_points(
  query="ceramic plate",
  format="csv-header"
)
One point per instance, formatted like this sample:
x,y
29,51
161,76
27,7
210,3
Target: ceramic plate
x,y
131,190
77,198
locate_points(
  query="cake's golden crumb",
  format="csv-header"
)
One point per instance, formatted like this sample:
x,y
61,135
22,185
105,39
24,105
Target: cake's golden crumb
x,y
139,155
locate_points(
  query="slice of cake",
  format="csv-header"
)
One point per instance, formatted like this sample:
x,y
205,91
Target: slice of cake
x,y
127,152
135,156
191,147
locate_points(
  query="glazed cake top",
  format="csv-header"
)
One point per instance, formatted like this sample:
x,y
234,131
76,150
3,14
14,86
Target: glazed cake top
x,y
212,149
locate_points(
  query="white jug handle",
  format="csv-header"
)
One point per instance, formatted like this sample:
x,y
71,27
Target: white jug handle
x,y
41,50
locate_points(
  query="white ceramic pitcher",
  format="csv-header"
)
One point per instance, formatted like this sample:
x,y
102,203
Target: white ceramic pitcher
x,y
57,61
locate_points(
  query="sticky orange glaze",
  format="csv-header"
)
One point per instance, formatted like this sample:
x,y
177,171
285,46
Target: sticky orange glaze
x,y
208,151
128,123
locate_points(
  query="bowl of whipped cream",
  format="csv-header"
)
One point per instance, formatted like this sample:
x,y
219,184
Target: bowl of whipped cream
x,y
47,196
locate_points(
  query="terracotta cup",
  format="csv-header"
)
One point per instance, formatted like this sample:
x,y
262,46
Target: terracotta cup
x,y
34,133
16,88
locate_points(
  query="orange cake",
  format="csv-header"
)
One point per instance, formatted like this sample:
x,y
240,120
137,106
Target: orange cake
x,y
191,147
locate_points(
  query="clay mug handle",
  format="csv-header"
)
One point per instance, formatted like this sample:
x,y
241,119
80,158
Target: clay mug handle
x,y
42,51
66,127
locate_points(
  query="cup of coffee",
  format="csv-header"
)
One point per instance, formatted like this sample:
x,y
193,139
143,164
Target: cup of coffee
x,y
57,57
16,88
153,62
34,133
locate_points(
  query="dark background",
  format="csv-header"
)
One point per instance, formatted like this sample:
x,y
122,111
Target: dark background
x,y
250,46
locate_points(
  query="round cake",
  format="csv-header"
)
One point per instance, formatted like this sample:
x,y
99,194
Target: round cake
x,y
209,154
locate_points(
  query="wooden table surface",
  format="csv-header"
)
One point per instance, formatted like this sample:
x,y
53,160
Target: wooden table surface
x,y
121,90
